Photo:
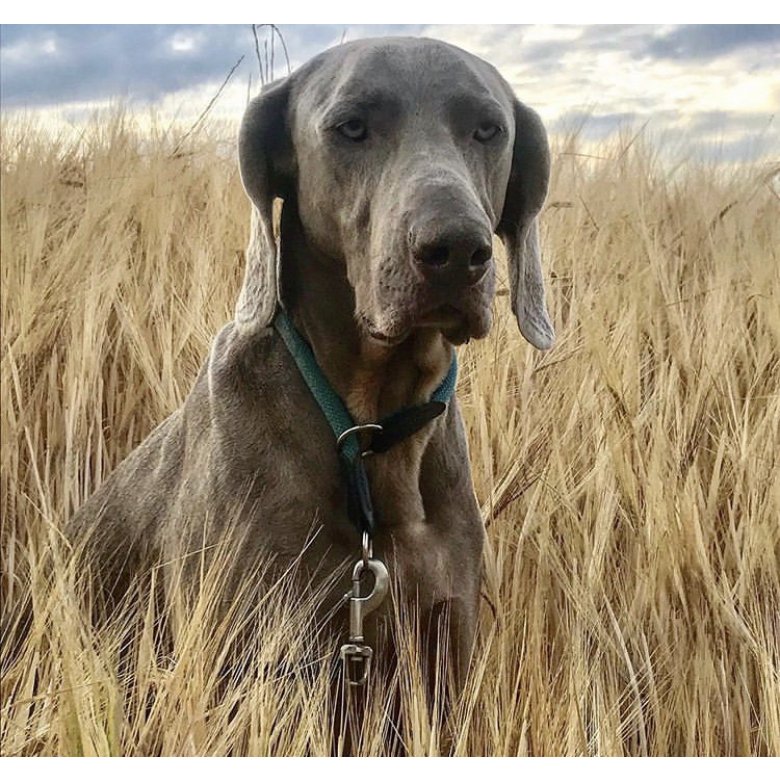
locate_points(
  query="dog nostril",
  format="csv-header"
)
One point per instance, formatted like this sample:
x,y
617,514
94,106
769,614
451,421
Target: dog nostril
x,y
481,256
437,255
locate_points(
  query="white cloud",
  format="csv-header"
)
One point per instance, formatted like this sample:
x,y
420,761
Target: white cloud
x,y
545,33
182,42
617,75
28,51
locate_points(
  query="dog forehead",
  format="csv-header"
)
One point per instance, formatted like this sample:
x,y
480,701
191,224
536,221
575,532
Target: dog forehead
x,y
405,70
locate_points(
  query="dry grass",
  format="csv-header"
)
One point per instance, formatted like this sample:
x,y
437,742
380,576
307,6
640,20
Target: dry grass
x,y
628,477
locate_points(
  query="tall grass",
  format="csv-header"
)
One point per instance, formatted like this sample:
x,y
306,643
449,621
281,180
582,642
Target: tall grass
x,y
628,478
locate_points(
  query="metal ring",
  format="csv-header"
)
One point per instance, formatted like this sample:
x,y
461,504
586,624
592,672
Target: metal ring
x,y
357,429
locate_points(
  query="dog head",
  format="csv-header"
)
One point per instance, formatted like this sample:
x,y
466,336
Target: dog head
x,y
402,158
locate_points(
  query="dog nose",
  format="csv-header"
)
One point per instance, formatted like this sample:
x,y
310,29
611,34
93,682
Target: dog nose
x,y
456,255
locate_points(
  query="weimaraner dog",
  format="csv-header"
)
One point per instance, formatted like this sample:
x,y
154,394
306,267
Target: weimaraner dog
x,y
396,161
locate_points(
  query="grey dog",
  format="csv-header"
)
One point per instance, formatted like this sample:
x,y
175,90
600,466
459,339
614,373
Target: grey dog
x,y
396,161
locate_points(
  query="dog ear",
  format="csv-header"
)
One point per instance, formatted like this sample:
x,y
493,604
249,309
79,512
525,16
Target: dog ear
x,y
519,228
265,162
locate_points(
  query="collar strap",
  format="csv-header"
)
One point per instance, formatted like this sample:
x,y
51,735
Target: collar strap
x,y
388,432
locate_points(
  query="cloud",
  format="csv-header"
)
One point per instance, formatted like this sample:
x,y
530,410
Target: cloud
x,y
61,64
690,80
704,41
49,64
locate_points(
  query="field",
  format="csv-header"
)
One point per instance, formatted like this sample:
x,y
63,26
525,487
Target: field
x,y
628,477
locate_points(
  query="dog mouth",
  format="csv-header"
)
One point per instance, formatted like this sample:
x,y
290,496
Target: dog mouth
x,y
442,318
456,324
453,323
374,333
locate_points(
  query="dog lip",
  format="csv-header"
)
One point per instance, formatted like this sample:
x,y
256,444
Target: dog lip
x,y
378,335
442,317
458,322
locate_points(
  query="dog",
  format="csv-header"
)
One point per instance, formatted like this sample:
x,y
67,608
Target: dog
x,y
396,161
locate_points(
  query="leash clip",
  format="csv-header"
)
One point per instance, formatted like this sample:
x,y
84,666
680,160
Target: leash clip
x,y
356,655
356,659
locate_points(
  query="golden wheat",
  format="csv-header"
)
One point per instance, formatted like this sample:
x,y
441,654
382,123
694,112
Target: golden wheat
x,y
628,477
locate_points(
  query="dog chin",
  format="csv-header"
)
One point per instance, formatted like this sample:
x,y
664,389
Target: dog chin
x,y
455,325
387,333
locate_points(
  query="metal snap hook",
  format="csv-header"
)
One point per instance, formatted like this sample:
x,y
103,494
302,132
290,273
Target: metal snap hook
x,y
357,663
356,655
361,606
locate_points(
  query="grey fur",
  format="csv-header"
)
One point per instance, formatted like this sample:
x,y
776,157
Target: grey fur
x,y
358,271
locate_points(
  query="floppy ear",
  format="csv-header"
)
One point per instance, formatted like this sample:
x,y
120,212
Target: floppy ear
x,y
519,228
265,162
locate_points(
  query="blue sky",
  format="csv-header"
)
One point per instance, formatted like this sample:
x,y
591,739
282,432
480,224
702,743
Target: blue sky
x,y
714,88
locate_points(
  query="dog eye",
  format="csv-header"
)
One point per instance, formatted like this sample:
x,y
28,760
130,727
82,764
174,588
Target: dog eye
x,y
355,130
486,131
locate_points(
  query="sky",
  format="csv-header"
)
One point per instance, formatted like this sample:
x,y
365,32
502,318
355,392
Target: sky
x,y
714,89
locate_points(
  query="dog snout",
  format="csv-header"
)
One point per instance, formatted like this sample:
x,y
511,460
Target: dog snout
x,y
456,253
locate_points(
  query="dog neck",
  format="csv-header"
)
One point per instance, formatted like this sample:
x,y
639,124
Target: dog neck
x,y
373,379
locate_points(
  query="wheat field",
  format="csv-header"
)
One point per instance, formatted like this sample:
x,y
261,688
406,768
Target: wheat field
x,y
628,477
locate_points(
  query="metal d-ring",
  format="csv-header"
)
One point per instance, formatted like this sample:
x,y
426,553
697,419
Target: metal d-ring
x,y
357,429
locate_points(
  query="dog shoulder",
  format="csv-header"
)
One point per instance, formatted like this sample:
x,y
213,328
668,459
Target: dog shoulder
x,y
243,361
